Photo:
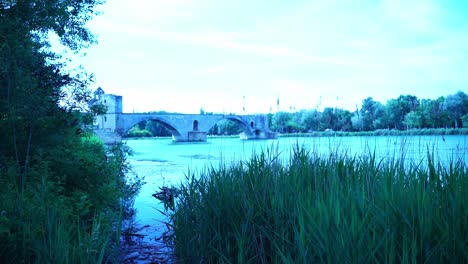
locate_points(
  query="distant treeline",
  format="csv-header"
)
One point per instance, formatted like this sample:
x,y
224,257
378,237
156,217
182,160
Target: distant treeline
x,y
403,113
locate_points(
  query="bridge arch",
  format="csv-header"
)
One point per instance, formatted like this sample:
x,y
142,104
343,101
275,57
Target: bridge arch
x,y
172,129
243,124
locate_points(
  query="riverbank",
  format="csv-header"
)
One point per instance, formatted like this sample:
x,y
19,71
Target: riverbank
x,y
383,132
380,132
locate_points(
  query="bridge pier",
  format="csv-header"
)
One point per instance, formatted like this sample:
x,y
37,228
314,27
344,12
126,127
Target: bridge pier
x,y
198,136
192,136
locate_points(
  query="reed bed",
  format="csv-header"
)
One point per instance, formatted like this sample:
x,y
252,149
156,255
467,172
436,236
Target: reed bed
x,y
315,209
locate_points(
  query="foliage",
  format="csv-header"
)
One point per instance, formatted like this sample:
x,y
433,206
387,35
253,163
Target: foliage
x,y
226,127
311,120
156,129
413,120
280,122
404,112
433,114
456,106
137,132
465,121
368,113
324,209
148,128
62,192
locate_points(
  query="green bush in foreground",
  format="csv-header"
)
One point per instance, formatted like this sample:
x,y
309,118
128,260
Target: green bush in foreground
x,y
335,209
69,207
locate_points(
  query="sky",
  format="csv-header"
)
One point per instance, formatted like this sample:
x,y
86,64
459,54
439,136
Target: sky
x,y
241,56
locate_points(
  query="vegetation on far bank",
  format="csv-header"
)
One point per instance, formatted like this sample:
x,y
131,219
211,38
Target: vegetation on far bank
x,y
138,134
383,132
63,193
324,209
402,113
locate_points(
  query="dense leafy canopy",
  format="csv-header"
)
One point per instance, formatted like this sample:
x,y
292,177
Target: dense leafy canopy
x,y
61,189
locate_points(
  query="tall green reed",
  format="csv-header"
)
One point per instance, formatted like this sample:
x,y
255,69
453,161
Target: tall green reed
x,y
315,208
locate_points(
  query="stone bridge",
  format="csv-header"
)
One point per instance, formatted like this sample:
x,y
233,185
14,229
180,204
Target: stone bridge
x,y
184,127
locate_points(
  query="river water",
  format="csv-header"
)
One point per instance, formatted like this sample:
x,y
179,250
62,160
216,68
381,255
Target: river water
x,y
164,163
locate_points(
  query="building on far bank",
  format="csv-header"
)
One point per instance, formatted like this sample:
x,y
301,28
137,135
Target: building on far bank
x,y
114,107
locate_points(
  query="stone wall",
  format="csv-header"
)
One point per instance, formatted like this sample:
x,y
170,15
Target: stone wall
x,y
196,136
108,137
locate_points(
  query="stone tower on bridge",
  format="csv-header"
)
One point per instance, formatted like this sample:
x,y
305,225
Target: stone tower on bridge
x,y
184,127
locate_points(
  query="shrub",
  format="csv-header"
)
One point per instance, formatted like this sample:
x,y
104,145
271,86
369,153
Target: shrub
x,y
68,207
135,132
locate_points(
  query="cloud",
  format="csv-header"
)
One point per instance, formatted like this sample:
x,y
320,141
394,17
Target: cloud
x,y
145,12
228,41
303,50
417,15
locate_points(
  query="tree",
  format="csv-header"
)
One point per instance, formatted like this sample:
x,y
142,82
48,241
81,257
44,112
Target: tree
x,y
356,121
280,121
295,124
328,119
465,121
343,120
368,111
311,120
413,120
35,81
380,117
55,177
214,130
157,129
398,108
226,127
425,108
456,106
433,113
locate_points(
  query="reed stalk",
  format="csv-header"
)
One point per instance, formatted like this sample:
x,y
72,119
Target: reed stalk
x,y
315,209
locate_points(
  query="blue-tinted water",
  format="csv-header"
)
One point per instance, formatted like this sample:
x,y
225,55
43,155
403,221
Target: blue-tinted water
x,y
164,163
